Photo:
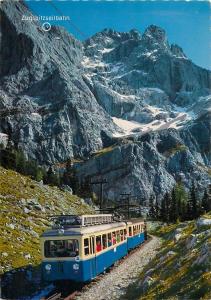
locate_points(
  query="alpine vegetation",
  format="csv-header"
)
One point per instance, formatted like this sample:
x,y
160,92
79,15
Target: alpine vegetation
x,y
133,95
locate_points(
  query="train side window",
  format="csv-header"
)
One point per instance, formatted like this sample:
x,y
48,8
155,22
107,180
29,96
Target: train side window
x,y
118,236
130,231
109,240
86,246
98,243
121,235
104,239
113,238
125,234
134,232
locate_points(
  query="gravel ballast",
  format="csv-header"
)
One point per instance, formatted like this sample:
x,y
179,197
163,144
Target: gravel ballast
x,y
113,285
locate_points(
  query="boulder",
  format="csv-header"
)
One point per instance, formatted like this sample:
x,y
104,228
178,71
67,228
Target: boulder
x,y
191,241
147,282
177,237
204,255
67,188
11,226
26,210
34,233
32,201
27,256
203,222
167,255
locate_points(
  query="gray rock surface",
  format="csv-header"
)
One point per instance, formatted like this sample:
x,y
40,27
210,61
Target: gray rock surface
x,y
46,108
151,163
58,98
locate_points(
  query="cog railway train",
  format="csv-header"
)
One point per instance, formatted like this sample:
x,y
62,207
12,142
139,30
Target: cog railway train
x,y
79,248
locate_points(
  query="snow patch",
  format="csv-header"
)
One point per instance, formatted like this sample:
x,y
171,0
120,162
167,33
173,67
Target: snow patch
x,y
106,50
130,72
36,115
3,135
88,63
132,127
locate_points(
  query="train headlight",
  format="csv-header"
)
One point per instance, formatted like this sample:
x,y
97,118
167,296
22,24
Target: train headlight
x,y
60,231
76,267
48,267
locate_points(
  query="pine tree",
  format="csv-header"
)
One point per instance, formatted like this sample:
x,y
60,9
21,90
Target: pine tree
x,y
205,202
181,200
165,207
152,212
163,215
193,197
8,157
69,177
192,206
173,210
209,198
52,178
31,168
157,209
20,162
39,174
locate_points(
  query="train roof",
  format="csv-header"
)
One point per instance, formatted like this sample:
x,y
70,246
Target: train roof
x,y
71,231
69,225
134,221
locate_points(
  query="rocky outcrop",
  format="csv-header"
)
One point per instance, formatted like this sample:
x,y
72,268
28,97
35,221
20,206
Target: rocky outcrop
x,y
186,260
151,163
59,99
46,107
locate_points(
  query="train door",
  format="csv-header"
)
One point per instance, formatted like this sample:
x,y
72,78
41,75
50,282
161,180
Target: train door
x,y
93,263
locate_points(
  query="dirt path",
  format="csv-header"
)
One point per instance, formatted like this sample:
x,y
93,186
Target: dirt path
x,y
114,284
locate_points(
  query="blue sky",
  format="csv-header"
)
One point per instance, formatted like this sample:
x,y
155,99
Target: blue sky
x,y
187,24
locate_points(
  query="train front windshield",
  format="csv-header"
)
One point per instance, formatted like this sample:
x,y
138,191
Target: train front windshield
x,y
61,248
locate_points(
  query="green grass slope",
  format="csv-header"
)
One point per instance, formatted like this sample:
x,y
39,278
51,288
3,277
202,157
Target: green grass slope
x,y
24,207
181,269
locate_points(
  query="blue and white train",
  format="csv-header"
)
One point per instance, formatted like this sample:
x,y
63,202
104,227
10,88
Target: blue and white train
x,y
79,248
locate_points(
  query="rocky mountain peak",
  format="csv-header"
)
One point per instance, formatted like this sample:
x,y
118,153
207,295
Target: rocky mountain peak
x,y
177,51
156,33
135,34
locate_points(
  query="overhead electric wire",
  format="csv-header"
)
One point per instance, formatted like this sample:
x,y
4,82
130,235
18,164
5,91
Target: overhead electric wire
x,y
70,22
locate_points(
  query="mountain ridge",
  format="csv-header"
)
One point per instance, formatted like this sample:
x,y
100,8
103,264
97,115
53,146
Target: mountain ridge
x,y
62,98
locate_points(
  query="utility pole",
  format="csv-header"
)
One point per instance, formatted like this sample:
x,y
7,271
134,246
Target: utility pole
x,y
101,182
127,197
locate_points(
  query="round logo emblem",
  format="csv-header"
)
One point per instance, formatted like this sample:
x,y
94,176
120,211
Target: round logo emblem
x,y
46,26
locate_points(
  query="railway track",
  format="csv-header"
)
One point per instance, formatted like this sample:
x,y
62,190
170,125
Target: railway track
x,y
63,295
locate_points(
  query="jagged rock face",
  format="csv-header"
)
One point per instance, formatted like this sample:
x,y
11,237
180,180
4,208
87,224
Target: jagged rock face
x,y
46,108
61,98
152,163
